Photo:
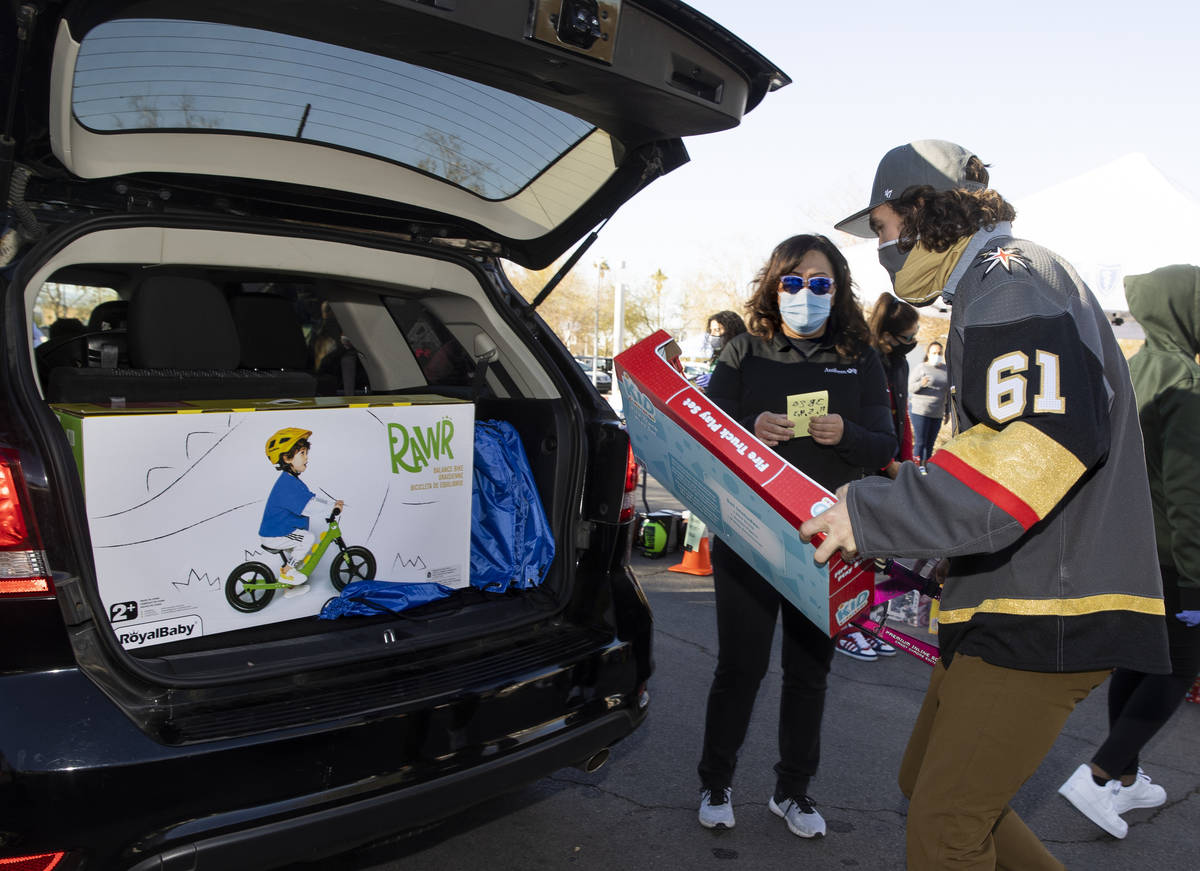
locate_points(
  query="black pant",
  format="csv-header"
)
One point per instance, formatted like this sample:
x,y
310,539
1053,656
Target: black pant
x,y
747,606
1140,704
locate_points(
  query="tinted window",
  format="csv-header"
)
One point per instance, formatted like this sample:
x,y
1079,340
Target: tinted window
x,y
141,74
442,359
62,310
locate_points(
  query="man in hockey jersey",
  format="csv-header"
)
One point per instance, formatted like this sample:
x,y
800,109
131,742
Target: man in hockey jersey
x,y
1039,501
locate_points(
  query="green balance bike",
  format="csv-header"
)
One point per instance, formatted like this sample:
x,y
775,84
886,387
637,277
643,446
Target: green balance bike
x,y
252,585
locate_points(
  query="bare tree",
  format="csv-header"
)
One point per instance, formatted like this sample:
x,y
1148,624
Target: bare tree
x,y
149,110
56,301
450,161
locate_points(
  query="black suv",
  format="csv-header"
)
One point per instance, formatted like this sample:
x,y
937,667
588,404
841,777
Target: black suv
x,y
175,168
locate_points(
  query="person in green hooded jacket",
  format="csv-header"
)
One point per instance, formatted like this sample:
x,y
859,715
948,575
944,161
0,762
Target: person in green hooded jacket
x,y
1166,382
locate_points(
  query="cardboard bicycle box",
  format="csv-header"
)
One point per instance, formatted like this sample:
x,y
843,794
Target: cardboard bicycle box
x,y
747,494
176,493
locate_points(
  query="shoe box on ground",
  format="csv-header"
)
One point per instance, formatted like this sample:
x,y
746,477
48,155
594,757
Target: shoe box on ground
x,y
176,491
746,494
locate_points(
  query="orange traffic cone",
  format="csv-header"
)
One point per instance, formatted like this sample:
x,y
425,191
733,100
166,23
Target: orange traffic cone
x,y
695,557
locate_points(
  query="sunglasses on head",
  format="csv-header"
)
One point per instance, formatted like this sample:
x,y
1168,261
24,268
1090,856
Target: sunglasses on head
x,y
795,283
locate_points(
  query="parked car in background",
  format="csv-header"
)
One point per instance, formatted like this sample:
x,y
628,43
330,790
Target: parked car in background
x,y
286,206
598,376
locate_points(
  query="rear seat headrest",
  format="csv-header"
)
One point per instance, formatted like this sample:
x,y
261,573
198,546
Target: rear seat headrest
x,y
180,322
110,315
269,332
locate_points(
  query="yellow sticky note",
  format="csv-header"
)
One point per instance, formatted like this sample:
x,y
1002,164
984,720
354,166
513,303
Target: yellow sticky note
x,y
803,407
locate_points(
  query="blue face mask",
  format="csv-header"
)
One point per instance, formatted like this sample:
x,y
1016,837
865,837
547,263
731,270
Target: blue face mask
x,y
805,311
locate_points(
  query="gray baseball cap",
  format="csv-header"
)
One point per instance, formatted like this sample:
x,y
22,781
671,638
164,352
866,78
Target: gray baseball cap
x,y
929,161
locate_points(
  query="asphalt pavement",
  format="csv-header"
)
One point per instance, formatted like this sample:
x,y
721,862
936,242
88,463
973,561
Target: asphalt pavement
x,y
639,811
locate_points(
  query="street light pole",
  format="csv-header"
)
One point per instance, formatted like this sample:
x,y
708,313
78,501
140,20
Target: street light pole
x,y
601,268
658,278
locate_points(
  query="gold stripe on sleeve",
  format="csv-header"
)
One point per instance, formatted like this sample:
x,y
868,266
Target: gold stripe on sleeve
x,y
1058,607
1022,459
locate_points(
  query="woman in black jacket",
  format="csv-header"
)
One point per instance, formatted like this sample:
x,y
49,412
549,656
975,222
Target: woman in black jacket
x,y
893,325
806,335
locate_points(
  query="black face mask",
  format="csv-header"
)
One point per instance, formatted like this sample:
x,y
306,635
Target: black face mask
x,y
892,258
901,347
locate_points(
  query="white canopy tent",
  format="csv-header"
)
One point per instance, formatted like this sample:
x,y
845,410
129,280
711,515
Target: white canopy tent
x,y
1123,218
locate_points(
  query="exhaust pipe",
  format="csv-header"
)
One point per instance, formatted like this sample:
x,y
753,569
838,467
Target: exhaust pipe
x,y
594,762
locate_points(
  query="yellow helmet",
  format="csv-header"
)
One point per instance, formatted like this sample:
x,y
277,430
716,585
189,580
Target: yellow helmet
x,y
283,441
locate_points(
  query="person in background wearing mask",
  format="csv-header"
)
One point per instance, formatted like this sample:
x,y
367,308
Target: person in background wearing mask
x,y
1040,502
806,335
1166,381
927,401
722,327
893,326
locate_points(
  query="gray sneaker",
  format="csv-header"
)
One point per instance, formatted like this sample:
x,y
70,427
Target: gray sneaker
x,y
1095,802
716,808
801,817
1141,793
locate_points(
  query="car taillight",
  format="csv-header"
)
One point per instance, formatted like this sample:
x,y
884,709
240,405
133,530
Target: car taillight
x,y
631,482
23,569
38,862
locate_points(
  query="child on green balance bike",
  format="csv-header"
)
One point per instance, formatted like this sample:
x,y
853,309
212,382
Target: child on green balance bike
x,y
285,531
290,507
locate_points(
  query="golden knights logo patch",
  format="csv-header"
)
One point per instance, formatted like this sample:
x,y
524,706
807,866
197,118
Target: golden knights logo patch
x,y
1006,257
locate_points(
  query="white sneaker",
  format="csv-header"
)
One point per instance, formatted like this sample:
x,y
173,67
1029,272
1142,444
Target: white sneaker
x,y
881,647
716,811
801,817
292,576
298,590
1097,803
1141,793
854,645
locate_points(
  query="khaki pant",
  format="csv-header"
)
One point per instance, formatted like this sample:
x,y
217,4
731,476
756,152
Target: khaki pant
x,y
981,733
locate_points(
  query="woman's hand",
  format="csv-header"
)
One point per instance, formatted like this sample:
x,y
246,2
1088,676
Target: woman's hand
x,y
772,429
827,429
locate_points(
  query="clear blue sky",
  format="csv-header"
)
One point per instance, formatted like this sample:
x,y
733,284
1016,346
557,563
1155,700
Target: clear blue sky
x,y
1042,91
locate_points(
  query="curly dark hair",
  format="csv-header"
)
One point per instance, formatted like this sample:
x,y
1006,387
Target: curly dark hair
x,y
890,315
846,324
731,322
941,218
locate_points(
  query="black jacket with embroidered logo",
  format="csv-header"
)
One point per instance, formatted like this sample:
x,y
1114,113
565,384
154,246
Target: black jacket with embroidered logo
x,y
1040,499
754,375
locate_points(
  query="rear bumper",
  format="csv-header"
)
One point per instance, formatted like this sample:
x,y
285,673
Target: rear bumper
x,y
305,837
126,801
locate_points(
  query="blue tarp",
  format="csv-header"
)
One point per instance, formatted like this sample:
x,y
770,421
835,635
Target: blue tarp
x,y
368,598
511,542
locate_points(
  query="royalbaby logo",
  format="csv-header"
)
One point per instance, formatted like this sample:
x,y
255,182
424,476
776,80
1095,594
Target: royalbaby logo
x,y
160,631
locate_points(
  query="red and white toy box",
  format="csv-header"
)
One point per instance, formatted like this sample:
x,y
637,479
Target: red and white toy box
x,y
746,493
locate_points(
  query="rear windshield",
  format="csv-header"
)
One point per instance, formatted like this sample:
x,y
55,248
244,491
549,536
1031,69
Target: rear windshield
x,y
138,74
